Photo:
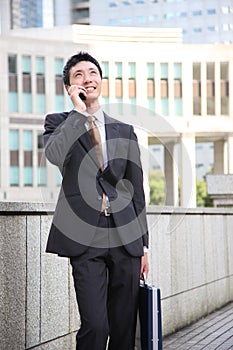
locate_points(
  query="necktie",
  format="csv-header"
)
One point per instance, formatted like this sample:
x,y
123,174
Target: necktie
x,y
96,142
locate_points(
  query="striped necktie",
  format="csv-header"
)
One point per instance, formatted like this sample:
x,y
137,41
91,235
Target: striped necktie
x,y
94,133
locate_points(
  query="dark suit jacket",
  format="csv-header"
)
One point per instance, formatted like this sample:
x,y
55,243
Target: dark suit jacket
x,y
68,146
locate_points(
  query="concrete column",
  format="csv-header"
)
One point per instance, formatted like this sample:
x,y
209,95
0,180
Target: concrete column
x,y
230,154
5,18
219,157
188,171
171,174
143,145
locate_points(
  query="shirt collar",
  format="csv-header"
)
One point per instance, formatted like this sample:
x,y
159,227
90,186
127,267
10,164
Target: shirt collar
x,y
98,114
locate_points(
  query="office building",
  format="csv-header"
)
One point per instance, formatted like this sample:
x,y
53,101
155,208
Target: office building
x,y
171,99
202,21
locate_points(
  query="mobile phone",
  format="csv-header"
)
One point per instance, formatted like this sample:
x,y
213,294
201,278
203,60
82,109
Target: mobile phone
x,y
82,96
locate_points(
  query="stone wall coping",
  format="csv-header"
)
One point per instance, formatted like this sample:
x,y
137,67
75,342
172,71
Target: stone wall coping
x,y
33,208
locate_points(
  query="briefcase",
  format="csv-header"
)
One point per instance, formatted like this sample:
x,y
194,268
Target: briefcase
x,y
150,318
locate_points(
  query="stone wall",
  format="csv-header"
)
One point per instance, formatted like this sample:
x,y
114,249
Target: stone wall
x,y
191,260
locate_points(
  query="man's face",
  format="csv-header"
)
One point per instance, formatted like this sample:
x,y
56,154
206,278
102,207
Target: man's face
x,y
87,75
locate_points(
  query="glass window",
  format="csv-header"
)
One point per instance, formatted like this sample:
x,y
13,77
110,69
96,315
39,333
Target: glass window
x,y
126,3
211,11
178,110
153,18
164,70
105,69
58,66
13,102
27,140
164,106
14,140
151,104
132,70
12,64
141,19
182,14
58,178
112,4
14,176
150,70
59,103
169,15
126,20
177,70
197,13
40,65
118,67
211,29
27,102
14,157
40,103
112,21
27,176
42,176
26,64
197,30
12,84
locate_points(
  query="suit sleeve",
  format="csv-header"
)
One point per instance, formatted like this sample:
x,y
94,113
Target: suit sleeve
x,y
60,135
134,174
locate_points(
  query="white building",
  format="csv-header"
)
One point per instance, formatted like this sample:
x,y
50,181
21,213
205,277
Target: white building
x,y
202,21
172,99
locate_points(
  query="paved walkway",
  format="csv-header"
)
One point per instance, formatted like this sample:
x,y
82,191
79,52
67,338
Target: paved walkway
x,y
212,332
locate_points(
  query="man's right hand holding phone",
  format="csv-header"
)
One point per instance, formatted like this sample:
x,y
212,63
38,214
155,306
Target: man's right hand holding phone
x,y
77,95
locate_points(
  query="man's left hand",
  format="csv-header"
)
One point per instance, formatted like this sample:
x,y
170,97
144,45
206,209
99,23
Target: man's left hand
x,y
144,265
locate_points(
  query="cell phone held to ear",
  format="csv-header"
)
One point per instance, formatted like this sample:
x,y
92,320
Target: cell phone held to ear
x,y
82,96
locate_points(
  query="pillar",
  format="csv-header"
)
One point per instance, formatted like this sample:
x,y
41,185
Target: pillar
x,y
171,174
188,171
219,157
230,154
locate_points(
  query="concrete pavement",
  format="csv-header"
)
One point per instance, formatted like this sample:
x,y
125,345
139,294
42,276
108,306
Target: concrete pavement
x,y
214,332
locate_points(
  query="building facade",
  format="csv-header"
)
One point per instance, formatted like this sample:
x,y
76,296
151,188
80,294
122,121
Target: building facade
x,y
171,99
202,21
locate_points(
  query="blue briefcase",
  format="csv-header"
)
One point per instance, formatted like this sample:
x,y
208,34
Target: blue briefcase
x,y
150,317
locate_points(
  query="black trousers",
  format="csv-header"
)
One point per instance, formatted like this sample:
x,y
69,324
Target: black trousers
x,y
106,282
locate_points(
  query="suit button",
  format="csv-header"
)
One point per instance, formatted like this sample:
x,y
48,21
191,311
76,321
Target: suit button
x,y
99,198
101,179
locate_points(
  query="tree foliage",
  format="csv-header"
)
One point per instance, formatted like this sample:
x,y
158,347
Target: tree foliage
x,y
158,190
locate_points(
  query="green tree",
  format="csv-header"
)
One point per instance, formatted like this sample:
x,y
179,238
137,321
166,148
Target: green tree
x,y
203,199
157,188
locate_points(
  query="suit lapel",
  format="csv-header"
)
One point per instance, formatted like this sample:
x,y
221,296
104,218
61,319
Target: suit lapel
x,y
112,132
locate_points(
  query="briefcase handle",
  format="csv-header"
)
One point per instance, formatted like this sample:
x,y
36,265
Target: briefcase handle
x,y
143,280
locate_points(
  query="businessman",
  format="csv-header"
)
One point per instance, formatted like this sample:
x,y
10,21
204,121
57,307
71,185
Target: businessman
x,y
100,220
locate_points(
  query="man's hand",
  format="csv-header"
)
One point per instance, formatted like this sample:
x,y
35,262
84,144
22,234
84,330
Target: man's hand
x,y
74,92
144,265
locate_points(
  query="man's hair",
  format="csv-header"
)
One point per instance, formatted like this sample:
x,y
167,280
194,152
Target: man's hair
x,y
73,60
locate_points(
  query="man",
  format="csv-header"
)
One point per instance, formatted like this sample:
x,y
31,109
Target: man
x,y
100,219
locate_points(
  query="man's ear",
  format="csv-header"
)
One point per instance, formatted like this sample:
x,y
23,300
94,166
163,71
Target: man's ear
x,y
67,88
